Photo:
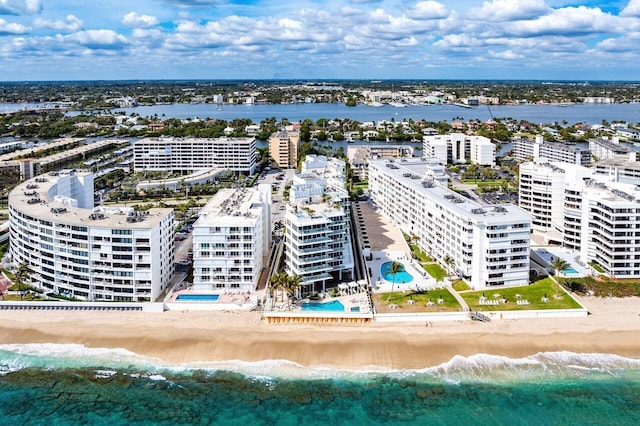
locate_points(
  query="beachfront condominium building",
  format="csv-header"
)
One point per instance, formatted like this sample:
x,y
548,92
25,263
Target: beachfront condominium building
x,y
318,225
538,149
359,156
541,192
587,212
89,253
283,148
460,148
487,245
192,154
602,222
231,239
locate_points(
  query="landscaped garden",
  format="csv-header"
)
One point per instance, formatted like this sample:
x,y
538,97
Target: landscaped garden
x,y
427,262
602,286
543,294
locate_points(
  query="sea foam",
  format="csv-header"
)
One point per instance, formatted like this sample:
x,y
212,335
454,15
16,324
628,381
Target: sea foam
x,y
460,369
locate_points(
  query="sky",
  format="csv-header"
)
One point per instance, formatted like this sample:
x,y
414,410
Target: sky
x,y
319,39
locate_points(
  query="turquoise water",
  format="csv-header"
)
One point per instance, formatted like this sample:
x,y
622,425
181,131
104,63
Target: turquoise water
x,y
197,298
400,278
73,385
332,306
569,270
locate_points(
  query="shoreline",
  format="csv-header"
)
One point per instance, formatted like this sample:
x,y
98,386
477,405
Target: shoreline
x,y
198,337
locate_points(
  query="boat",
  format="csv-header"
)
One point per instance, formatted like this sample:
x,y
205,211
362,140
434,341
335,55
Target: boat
x,y
458,104
397,104
375,104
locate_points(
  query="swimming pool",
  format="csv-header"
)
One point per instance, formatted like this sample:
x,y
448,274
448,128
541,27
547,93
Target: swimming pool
x,y
333,306
569,270
197,298
401,277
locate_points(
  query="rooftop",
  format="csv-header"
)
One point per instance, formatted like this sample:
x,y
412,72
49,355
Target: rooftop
x,y
237,207
411,172
32,197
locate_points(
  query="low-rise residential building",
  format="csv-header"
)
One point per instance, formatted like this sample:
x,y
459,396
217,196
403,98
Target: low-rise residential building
x,y
318,244
487,245
629,133
191,154
231,239
89,253
603,149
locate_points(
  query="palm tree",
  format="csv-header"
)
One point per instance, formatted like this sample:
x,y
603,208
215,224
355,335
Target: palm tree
x,y
291,286
277,282
449,262
21,276
559,264
394,268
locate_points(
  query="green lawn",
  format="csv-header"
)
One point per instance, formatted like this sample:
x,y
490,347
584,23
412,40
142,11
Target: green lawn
x,y
459,285
420,301
419,254
435,271
533,293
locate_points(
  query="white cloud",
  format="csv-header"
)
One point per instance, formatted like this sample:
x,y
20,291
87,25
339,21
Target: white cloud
x,y
98,39
509,55
566,21
20,7
133,20
7,28
428,10
70,24
510,10
632,9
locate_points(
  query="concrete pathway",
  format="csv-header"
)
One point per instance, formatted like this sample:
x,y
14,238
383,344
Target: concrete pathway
x,y
459,298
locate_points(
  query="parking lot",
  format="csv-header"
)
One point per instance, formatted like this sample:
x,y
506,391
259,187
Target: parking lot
x,y
278,179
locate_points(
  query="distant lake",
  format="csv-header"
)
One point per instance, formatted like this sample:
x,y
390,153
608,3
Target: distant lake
x,y
580,113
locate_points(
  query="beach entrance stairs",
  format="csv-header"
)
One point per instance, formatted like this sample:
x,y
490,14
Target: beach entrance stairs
x,y
477,316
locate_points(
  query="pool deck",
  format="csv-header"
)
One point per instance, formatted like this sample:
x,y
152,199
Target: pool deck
x,y
549,253
421,279
279,312
227,300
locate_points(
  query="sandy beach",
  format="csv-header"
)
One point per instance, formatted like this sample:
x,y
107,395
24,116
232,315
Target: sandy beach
x,y
184,337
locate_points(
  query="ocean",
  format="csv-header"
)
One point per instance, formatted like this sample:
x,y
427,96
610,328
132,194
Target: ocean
x,y
47,384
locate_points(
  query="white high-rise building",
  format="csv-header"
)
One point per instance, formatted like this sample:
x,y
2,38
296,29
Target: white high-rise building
x,y
318,231
95,254
231,239
488,245
541,191
594,214
191,154
625,171
458,147
538,149
602,222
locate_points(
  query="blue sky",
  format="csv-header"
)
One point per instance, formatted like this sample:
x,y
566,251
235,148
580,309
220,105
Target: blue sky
x,y
319,39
